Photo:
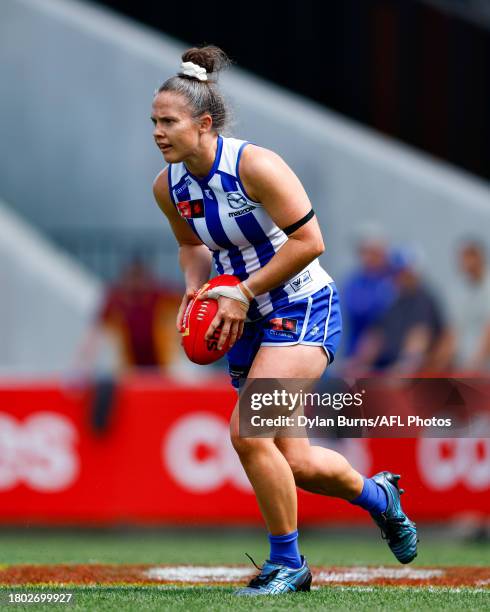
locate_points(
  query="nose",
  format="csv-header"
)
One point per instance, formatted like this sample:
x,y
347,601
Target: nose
x,y
158,131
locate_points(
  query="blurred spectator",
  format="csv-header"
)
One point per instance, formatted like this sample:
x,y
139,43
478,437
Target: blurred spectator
x,y
406,339
370,290
138,313
470,310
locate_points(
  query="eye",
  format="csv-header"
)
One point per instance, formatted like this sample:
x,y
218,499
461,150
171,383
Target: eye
x,y
153,120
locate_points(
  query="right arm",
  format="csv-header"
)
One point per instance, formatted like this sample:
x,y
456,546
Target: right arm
x,y
194,256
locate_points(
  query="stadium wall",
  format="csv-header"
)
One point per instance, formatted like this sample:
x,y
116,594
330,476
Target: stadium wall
x,y
46,302
164,456
79,152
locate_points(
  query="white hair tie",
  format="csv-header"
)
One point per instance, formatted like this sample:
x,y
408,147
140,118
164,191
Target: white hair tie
x,y
193,70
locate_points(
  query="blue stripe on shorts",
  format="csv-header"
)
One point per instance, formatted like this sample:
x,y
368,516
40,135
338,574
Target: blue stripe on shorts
x,y
314,321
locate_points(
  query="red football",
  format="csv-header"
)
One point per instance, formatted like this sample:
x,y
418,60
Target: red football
x,y
197,319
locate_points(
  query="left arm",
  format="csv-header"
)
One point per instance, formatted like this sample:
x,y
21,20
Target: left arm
x,y
269,180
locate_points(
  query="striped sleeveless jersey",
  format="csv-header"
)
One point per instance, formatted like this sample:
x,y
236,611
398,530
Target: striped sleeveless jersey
x,y
238,230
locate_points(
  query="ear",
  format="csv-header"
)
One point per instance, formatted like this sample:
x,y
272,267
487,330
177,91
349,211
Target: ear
x,y
205,123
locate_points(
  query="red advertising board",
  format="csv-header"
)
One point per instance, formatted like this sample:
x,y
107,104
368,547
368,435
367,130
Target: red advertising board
x,y
166,457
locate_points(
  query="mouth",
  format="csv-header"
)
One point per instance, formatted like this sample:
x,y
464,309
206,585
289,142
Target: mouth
x,y
164,147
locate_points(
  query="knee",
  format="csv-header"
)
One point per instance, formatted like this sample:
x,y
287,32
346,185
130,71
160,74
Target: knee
x,y
245,446
299,465
241,445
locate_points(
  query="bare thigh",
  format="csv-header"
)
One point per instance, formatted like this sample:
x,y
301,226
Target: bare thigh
x,y
297,361
315,469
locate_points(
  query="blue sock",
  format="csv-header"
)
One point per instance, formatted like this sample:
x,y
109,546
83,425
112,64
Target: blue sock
x,y
373,498
284,550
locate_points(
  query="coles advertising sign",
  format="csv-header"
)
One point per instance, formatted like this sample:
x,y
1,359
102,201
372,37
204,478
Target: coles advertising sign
x,y
165,456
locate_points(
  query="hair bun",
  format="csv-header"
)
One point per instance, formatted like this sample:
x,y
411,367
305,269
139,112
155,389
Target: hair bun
x,y
212,58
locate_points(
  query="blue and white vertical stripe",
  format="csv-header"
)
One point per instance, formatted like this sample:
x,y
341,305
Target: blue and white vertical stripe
x,y
238,230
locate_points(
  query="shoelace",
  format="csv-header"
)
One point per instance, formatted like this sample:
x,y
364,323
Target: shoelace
x,y
251,559
261,579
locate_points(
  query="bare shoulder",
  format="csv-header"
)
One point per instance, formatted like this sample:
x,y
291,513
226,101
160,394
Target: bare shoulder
x,y
161,190
262,171
257,161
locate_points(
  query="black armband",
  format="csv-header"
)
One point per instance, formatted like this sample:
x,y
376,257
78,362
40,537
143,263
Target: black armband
x,y
294,226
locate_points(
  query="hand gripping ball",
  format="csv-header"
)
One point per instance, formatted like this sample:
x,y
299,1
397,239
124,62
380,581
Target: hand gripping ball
x,y
196,321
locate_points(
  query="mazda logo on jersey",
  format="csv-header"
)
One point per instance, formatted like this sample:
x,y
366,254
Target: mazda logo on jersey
x,y
236,200
191,209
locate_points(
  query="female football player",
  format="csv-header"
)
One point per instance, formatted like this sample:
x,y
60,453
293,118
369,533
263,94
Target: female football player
x,y
240,205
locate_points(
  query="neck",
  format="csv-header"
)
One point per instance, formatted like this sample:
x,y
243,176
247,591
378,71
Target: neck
x,y
202,160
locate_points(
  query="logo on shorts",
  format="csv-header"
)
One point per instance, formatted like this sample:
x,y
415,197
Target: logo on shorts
x,y
287,325
301,281
191,209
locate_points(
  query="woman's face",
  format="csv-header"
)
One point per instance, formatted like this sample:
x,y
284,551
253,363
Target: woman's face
x,y
176,133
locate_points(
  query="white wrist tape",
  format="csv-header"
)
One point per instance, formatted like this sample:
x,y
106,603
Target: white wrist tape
x,y
235,293
247,291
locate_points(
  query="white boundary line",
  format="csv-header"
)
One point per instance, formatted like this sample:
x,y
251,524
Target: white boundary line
x,y
194,576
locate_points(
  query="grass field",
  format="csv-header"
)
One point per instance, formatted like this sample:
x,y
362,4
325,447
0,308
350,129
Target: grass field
x,y
214,547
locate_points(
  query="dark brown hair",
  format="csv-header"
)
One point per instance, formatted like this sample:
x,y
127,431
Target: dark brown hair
x,y
202,96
